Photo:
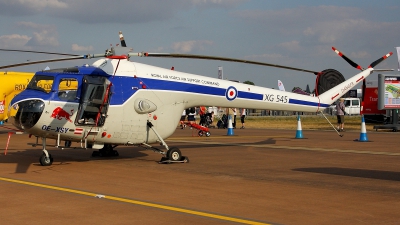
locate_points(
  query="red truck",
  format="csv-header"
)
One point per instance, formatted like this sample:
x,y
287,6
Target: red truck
x,y
370,108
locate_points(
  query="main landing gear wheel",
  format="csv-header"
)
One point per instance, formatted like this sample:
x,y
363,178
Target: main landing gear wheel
x,y
46,161
174,155
106,151
67,144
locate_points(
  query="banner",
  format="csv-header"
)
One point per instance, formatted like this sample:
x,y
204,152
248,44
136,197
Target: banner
x,y
280,86
220,73
398,58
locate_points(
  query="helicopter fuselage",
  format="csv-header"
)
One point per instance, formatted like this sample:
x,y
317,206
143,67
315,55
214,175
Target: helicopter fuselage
x,y
112,101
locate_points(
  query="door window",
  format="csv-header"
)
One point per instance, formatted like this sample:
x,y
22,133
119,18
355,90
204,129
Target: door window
x,y
68,89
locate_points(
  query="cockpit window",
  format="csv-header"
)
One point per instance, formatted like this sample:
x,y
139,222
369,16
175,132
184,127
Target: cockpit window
x,y
41,83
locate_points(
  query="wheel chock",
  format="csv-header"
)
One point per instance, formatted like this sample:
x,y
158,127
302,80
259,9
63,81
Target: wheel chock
x,y
165,160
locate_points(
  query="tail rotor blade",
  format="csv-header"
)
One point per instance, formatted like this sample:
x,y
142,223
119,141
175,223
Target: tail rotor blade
x,y
380,60
121,38
353,64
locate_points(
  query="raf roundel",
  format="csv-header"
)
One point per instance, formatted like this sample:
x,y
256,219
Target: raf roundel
x,y
231,93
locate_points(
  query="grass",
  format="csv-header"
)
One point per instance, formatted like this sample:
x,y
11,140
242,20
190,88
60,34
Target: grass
x,y
308,122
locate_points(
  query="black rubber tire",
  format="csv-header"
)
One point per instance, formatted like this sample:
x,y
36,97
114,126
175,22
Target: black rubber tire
x,y
44,161
174,154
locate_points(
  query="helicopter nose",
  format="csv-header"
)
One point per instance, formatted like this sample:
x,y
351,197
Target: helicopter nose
x,y
25,114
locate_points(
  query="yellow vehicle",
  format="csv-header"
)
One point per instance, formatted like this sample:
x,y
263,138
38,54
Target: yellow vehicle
x,y
11,84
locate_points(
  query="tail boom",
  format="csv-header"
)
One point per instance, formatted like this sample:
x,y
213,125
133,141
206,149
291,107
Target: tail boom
x,y
341,89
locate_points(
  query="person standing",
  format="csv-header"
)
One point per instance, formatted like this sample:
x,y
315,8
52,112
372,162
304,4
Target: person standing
x,y
340,112
242,116
191,118
202,113
183,117
234,118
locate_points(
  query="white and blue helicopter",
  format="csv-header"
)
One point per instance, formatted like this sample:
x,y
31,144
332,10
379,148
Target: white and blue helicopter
x,y
117,102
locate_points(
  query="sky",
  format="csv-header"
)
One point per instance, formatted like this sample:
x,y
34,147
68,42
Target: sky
x,y
291,33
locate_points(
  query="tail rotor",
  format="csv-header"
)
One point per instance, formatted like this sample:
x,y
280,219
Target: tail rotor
x,y
355,65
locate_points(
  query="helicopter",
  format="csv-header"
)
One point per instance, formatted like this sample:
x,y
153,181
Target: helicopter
x,y
118,102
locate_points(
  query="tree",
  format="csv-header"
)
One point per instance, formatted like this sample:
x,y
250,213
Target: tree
x,y
295,88
248,82
308,89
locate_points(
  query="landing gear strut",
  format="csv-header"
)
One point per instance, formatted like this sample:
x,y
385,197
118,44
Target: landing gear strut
x,y
45,159
173,155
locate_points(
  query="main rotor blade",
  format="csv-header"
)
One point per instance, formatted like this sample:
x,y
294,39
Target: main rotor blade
x,y
53,60
189,56
49,53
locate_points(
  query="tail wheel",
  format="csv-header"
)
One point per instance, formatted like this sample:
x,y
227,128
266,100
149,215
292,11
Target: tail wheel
x,y
174,154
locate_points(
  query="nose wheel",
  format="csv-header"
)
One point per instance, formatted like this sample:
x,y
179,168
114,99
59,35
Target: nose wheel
x,y
46,160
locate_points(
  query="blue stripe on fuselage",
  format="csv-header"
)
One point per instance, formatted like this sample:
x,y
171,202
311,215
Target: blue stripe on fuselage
x,y
307,103
129,85
195,88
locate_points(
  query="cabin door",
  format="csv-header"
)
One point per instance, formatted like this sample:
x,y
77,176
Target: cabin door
x,y
94,101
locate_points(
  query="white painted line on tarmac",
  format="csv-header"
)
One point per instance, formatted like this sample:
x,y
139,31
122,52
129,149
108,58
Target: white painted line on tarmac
x,y
291,147
136,202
